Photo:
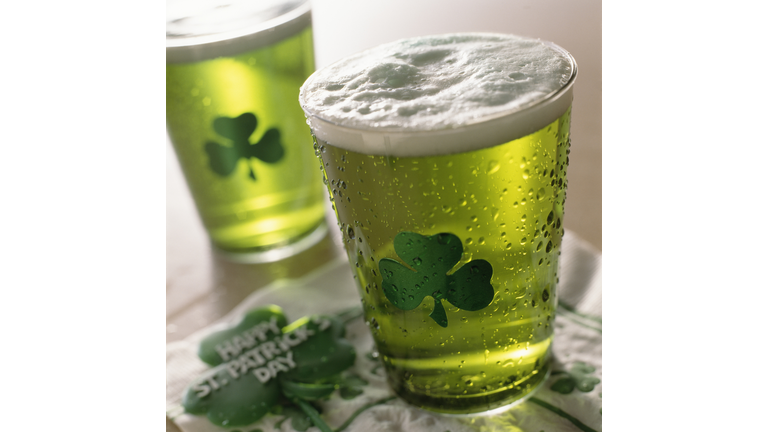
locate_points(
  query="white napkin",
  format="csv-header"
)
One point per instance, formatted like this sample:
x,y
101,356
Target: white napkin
x,y
570,400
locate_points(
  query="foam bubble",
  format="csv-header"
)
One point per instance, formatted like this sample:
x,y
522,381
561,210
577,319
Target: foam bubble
x,y
436,84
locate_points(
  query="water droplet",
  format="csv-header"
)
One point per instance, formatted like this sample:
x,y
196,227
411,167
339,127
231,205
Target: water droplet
x,y
417,261
538,246
549,246
541,194
550,217
493,166
481,240
523,240
522,219
526,173
462,202
351,233
545,295
447,209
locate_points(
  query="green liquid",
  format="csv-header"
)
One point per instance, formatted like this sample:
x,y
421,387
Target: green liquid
x,y
505,203
262,203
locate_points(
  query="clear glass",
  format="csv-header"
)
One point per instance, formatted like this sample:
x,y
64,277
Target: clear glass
x,y
242,140
456,253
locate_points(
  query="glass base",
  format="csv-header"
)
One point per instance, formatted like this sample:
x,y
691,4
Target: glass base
x,y
275,252
476,406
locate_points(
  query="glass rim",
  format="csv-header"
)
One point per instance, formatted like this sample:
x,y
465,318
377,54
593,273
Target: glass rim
x,y
513,123
238,41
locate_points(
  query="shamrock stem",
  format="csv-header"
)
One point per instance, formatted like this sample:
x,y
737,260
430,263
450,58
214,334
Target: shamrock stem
x,y
438,314
312,413
562,414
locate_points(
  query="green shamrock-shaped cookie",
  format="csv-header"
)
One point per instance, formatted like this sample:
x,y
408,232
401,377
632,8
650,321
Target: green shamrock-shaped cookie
x,y
261,362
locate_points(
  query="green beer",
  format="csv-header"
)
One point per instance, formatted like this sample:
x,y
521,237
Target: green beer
x,y
454,232
239,135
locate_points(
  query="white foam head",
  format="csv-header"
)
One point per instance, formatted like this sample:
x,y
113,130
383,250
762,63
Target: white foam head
x,y
439,94
198,30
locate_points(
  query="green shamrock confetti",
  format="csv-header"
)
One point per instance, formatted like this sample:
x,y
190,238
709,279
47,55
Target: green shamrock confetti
x,y
430,258
577,378
223,159
262,363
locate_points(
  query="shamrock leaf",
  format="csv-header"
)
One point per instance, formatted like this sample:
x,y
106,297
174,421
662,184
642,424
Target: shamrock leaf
x,y
430,258
261,363
299,421
351,386
577,378
223,159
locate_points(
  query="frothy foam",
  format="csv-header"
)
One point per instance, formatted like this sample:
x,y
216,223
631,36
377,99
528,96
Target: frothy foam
x,y
204,29
437,84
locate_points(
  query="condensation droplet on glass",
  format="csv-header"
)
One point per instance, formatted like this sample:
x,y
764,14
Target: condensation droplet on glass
x,y
493,166
494,213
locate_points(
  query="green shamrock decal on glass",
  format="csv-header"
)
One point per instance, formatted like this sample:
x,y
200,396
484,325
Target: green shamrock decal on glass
x,y
578,378
425,273
262,363
223,159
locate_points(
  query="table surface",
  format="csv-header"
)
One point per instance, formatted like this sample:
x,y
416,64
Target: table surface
x,y
201,287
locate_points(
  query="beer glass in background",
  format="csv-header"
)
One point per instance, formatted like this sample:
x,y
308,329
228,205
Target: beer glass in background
x,y
233,73
453,228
